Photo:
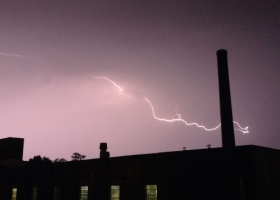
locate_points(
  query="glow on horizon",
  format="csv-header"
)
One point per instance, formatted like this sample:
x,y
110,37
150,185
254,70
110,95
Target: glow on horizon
x,y
179,119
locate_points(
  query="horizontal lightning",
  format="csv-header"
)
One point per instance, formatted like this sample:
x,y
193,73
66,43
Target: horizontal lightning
x,y
16,55
179,119
243,130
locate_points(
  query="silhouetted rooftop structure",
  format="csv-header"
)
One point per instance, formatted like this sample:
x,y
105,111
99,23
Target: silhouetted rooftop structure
x,y
243,172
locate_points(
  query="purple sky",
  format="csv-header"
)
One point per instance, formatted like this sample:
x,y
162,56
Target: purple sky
x,y
162,50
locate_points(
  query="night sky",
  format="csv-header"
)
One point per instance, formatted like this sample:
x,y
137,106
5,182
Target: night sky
x,y
163,50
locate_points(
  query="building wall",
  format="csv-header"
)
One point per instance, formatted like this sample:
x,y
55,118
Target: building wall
x,y
11,149
243,173
267,167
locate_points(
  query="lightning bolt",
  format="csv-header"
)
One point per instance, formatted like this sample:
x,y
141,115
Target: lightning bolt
x,y
243,130
16,55
179,119
111,82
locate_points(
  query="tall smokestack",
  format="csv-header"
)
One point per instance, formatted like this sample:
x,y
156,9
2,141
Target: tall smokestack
x,y
228,140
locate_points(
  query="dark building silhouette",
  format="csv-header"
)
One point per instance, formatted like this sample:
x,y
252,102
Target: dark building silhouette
x,y
243,172
228,173
11,151
11,148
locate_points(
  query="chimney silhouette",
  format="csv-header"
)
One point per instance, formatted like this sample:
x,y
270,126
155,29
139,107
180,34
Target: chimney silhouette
x,y
228,140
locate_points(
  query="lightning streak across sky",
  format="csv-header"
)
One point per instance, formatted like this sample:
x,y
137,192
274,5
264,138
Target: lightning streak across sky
x,y
16,55
179,119
111,82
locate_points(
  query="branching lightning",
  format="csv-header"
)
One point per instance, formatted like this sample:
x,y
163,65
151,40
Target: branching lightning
x,y
243,130
16,55
179,119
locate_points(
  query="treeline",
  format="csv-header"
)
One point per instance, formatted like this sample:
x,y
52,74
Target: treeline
x,y
38,160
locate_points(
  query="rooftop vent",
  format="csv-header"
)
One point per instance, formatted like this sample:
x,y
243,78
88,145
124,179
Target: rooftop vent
x,y
103,151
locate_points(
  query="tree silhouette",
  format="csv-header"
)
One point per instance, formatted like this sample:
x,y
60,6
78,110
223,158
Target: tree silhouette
x,y
38,160
46,160
76,156
59,160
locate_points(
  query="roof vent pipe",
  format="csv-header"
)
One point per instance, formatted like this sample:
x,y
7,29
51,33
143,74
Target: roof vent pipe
x,y
103,151
228,140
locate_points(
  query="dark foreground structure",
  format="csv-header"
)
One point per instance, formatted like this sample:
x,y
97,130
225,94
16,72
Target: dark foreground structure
x,y
244,172
227,173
